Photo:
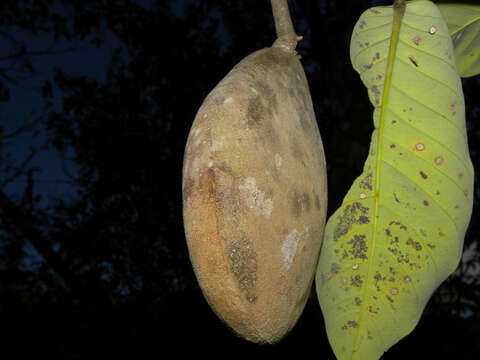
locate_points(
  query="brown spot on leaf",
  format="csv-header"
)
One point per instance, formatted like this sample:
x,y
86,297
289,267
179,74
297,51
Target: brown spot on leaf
x,y
353,213
423,175
358,246
356,281
335,268
415,244
366,182
352,323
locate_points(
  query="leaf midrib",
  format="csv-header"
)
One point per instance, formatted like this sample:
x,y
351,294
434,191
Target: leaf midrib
x,y
398,12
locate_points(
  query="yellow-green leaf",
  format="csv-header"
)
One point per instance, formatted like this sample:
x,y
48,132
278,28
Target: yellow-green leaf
x,y
399,231
464,25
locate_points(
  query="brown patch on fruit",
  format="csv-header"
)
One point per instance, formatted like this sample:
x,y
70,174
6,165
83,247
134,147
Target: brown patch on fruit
x,y
300,202
243,265
256,111
187,188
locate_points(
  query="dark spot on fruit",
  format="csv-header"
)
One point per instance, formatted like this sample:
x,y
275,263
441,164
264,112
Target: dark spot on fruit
x,y
317,202
306,201
187,188
255,111
301,202
296,203
297,150
243,265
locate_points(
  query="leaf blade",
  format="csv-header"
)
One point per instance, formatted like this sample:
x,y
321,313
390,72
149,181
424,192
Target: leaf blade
x,y
397,236
464,25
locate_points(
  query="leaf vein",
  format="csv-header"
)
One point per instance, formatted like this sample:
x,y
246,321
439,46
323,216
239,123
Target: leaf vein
x,y
417,185
425,106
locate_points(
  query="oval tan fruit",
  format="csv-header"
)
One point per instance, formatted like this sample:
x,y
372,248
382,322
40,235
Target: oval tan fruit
x,y
255,195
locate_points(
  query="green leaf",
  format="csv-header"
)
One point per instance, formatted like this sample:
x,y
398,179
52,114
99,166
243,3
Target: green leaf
x,y
464,25
399,231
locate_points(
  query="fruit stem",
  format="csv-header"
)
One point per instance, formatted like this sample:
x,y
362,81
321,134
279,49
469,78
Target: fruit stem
x,y
286,36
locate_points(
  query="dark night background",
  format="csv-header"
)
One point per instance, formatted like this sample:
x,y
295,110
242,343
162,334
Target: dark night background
x,y
96,101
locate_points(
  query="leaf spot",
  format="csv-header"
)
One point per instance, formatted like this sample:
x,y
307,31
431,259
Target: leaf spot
x,y
432,30
420,146
356,281
335,268
413,60
439,160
